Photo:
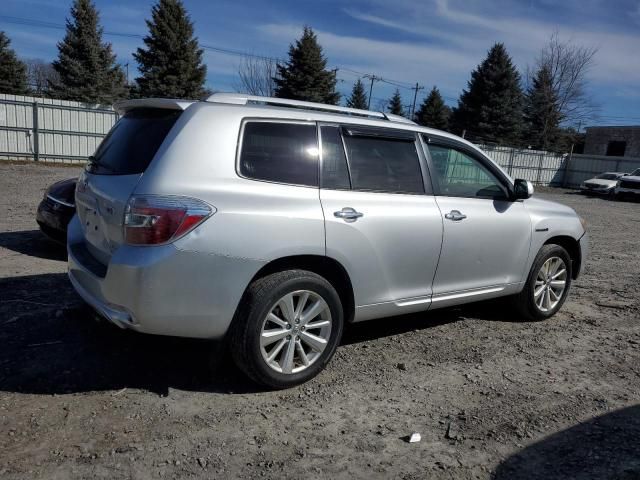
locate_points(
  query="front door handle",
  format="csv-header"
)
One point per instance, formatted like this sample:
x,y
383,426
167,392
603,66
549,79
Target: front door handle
x,y
348,214
455,215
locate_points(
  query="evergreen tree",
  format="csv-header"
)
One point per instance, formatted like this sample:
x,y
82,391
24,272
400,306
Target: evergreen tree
x,y
13,72
395,104
542,112
358,98
433,112
86,66
491,107
171,64
304,76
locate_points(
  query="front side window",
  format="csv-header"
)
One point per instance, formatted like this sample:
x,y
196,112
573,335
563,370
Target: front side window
x,y
280,152
383,164
457,174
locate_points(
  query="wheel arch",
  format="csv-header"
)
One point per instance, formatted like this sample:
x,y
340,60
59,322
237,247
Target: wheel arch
x,y
572,246
326,267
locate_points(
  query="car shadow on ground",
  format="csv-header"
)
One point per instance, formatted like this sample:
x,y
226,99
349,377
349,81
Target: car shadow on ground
x,y
33,243
53,344
604,447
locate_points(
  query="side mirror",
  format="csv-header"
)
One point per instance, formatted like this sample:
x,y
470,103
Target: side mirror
x,y
522,189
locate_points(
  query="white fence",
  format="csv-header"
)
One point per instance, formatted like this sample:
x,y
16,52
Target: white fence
x,y
51,130
547,168
43,129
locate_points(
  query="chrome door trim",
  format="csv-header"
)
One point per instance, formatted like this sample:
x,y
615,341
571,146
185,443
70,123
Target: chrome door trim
x,y
466,293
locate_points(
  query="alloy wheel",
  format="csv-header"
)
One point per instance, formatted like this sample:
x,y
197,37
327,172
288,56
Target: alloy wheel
x,y
550,285
295,332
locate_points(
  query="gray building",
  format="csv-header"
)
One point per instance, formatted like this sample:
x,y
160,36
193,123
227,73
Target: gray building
x,y
613,141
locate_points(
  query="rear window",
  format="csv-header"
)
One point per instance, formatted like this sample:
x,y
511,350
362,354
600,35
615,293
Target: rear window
x,y
280,152
132,142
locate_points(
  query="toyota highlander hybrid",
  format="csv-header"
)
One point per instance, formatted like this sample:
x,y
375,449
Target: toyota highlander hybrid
x,y
271,223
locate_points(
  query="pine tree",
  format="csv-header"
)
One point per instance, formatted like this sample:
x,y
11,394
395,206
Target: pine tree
x,y
86,66
358,98
13,72
542,112
305,76
171,64
395,104
433,112
491,107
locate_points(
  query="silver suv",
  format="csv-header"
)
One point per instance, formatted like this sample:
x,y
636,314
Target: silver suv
x,y
271,223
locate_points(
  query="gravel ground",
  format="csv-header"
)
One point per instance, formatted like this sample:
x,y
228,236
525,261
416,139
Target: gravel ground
x,y
492,397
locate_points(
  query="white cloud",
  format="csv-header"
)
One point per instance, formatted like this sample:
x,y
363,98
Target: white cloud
x,y
617,59
405,61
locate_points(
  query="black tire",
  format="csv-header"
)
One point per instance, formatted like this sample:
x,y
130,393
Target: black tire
x,y
256,303
524,301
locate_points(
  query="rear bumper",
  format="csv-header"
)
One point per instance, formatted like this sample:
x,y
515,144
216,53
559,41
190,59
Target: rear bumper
x,y
161,290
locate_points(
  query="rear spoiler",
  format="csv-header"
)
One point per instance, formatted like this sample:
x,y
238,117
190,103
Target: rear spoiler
x,y
165,103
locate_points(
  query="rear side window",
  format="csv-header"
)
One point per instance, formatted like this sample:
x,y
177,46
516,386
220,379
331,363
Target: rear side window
x,y
383,164
335,174
280,152
133,142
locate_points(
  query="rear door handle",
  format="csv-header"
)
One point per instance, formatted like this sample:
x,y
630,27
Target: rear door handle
x,y
348,213
455,215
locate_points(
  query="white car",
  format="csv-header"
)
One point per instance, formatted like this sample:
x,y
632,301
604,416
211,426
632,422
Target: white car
x,y
628,185
604,184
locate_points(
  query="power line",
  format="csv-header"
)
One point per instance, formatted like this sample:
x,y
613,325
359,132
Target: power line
x,y
228,51
240,53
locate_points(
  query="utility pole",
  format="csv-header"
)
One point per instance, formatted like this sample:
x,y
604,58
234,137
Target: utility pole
x,y
415,97
373,78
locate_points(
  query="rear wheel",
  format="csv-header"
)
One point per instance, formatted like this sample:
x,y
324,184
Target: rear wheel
x,y
287,328
547,285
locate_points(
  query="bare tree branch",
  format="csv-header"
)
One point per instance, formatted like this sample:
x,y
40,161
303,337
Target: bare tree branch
x,y
39,75
569,65
255,75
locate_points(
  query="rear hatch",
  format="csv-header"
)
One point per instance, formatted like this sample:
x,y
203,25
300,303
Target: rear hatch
x,y
114,170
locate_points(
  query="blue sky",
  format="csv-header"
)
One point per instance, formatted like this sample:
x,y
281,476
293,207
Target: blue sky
x,y
432,42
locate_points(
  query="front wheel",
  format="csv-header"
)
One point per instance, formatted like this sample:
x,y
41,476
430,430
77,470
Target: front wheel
x,y
287,328
547,285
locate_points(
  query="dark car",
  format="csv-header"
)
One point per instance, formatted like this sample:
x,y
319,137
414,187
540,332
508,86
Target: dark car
x,y
56,209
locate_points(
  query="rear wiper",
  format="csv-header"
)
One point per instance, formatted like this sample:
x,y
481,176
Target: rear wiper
x,y
93,163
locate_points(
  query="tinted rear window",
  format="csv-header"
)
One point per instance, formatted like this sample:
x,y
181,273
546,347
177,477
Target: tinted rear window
x,y
133,141
280,152
384,165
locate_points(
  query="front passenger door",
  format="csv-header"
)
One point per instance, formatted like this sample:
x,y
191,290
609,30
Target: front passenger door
x,y
486,236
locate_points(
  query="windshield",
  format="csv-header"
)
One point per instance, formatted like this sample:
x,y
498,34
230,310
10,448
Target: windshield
x,y
132,142
608,176
636,173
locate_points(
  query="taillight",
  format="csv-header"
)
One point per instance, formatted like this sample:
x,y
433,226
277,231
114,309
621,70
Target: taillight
x,y
154,219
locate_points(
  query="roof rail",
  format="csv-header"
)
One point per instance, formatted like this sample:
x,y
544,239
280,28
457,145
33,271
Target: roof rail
x,y
242,99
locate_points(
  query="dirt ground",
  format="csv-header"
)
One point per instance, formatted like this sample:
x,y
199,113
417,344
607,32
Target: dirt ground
x,y
492,397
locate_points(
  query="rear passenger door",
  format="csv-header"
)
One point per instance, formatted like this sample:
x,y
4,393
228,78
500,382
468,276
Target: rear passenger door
x,y
381,220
